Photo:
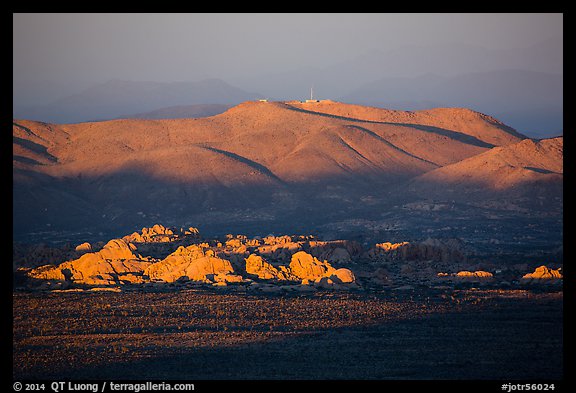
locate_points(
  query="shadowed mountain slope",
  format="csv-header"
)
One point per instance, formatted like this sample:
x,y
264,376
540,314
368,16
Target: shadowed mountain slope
x,y
509,167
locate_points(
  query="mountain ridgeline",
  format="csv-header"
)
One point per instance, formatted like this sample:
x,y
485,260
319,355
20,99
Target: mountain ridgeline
x,y
328,167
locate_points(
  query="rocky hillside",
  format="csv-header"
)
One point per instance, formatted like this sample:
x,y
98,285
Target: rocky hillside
x,y
267,167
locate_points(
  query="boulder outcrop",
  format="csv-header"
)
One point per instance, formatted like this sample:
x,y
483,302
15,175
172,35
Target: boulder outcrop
x,y
281,252
305,266
343,276
114,264
476,274
543,273
84,247
160,234
257,265
192,262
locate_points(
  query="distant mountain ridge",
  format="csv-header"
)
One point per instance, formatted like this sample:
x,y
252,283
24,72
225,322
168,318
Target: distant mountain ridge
x,y
335,81
529,100
180,112
116,98
522,87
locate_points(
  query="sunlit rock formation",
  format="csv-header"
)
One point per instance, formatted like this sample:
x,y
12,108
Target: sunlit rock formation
x,y
160,234
116,263
543,273
190,263
281,251
271,263
305,266
84,247
476,274
257,265
343,276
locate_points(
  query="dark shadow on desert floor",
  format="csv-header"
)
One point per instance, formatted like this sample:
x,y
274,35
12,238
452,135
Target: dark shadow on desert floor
x,y
505,338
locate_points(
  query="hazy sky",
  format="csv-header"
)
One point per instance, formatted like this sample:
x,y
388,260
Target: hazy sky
x,y
54,54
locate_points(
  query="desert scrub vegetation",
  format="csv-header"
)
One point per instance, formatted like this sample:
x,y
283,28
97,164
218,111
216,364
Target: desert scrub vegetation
x,y
89,333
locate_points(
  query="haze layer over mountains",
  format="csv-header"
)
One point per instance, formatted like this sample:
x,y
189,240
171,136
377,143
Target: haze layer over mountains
x,y
522,87
290,167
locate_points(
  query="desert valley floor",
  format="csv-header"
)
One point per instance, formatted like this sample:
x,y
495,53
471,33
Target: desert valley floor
x,y
198,335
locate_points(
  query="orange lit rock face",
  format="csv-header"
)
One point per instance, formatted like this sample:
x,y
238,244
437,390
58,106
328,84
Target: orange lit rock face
x,y
94,271
192,263
117,249
387,246
47,272
343,276
84,247
543,273
280,252
305,266
160,234
117,262
476,274
256,265
271,264
114,264
389,251
275,240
